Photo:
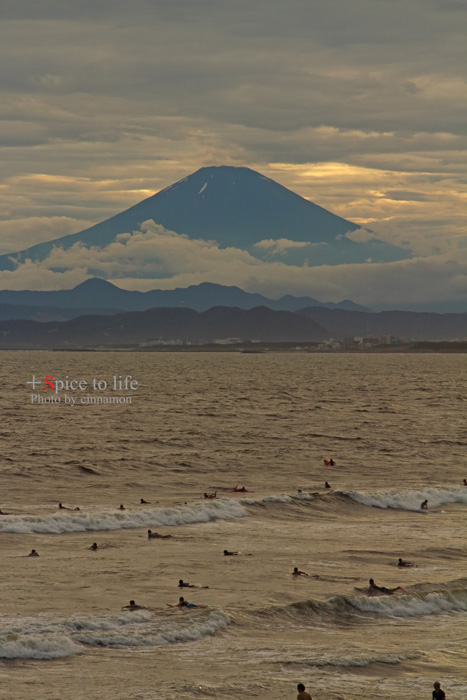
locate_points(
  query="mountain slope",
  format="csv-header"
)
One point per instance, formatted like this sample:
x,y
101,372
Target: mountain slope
x,y
236,207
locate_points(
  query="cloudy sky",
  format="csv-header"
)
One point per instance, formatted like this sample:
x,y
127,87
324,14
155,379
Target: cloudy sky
x,y
359,106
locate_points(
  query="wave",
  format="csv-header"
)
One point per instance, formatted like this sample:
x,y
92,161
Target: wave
x,y
43,637
223,509
282,498
343,609
353,662
409,500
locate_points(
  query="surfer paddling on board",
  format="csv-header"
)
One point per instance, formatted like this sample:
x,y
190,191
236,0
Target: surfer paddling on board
x,y
184,584
182,603
237,490
132,606
156,535
373,589
406,564
229,554
211,495
296,572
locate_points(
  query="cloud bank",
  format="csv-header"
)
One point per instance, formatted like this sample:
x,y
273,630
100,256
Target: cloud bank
x,y
156,258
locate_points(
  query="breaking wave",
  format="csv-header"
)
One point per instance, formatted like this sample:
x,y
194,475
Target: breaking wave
x,y
341,608
43,637
223,509
409,500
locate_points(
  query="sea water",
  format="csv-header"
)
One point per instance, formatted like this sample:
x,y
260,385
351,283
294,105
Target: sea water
x,y
206,422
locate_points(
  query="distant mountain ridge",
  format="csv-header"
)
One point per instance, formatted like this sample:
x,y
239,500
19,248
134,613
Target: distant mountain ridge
x,y
219,323
236,207
162,324
99,294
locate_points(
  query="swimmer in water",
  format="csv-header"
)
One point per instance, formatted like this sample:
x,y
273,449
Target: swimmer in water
x,y
296,572
424,505
122,507
155,535
326,485
302,694
132,606
93,547
407,564
438,694
229,554
33,553
373,588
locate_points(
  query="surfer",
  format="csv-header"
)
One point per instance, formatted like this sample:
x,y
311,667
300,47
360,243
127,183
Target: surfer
x,y
144,503
182,603
438,694
302,694
33,553
296,572
183,584
407,564
61,507
424,505
157,535
242,490
132,606
331,462
122,507
373,588
326,485
211,495
229,554
93,547
465,482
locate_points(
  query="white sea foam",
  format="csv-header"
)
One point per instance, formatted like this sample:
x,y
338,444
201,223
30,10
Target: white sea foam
x,y
411,499
413,605
43,637
282,498
222,509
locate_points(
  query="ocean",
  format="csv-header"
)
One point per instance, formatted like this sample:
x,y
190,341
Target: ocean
x,y
195,423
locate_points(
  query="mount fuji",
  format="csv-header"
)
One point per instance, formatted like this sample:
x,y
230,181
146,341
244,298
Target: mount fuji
x,y
239,208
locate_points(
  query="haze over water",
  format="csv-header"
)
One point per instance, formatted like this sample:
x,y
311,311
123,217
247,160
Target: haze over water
x,y
395,426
